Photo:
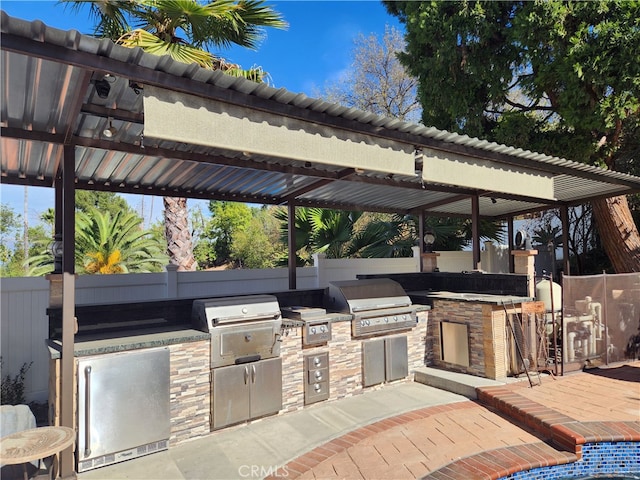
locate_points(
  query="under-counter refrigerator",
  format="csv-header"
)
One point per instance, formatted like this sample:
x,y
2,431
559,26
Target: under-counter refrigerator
x,y
123,406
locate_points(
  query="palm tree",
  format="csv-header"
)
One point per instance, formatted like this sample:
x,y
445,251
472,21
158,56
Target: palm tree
x,y
319,230
350,234
107,245
184,30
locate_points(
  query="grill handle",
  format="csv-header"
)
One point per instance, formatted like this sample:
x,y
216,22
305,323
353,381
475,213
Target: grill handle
x,y
247,359
246,375
244,318
253,374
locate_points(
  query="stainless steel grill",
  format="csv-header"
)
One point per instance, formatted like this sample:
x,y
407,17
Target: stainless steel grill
x,y
246,368
243,329
378,305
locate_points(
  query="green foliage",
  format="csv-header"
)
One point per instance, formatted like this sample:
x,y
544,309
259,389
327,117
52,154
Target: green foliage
x,y
101,238
319,230
558,77
89,200
226,218
9,234
344,234
108,244
257,244
236,235
553,76
185,29
12,387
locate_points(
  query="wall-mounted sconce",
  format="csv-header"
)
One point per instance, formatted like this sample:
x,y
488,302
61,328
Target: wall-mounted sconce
x,y
110,131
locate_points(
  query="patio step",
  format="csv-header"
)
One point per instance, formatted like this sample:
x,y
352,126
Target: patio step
x,y
454,382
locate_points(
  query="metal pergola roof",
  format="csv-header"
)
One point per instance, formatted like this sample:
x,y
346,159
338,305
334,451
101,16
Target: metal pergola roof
x,y
51,134
50,100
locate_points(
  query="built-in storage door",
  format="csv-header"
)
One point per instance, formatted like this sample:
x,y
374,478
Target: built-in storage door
x,y
230,394
373,362
265,387
396,357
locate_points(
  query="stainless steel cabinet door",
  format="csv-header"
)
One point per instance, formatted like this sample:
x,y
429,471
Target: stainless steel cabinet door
x,y
373,362
396,357
266,387
230,395
123,401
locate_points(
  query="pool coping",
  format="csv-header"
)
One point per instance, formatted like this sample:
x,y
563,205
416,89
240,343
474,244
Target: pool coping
x,y
563,438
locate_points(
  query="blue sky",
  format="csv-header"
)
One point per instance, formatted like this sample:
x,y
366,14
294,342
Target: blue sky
x,y
313,50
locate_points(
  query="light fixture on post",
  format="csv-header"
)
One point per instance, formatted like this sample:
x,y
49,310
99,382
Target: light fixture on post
x,y
110,131
429,239
56,249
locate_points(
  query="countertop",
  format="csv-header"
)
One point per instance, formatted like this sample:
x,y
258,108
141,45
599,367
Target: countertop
x,y
112,342
132,340
471,297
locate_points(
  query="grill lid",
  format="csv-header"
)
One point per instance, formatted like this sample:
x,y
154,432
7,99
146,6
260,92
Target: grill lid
x,y
210,312
353,296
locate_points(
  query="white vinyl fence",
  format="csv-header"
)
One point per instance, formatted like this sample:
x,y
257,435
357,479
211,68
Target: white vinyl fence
x,y
24,301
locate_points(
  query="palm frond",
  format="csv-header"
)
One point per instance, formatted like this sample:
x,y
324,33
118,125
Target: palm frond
x,y
156,46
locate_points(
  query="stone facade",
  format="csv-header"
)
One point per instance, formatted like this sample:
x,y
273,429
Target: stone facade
x,y
190,390
190,373
487,334
345,361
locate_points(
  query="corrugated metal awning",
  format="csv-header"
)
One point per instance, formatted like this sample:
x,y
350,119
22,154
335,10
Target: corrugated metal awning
x,y
49,99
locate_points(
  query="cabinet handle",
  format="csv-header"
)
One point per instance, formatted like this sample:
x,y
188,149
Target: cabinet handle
x,y
253,374
246,375
87,412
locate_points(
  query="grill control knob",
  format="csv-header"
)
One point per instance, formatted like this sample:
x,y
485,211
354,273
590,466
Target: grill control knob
x,y
245,310
313,330
318,375
323,329
367,322
317,361
317,387
395,319
248,337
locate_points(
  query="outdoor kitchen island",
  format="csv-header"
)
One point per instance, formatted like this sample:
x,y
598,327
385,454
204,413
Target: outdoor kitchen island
x,y
318,359
472,332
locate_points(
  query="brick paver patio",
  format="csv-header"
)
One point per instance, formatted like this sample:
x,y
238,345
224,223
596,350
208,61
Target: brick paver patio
x,y
511,422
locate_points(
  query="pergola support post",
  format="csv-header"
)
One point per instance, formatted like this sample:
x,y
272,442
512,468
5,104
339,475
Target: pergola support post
x,y
291,231
67,464
510,235
475,230
564,217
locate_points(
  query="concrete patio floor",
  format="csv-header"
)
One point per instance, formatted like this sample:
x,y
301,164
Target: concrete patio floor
x,y
404,430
